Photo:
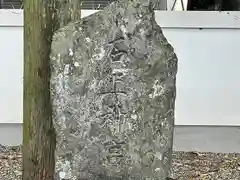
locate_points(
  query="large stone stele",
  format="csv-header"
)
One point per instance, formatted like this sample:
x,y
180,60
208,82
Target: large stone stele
x,y
113,92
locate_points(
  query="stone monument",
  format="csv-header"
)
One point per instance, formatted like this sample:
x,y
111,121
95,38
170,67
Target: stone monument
x,y
113,91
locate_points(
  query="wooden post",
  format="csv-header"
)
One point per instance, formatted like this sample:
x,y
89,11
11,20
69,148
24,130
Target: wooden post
x,y
38,132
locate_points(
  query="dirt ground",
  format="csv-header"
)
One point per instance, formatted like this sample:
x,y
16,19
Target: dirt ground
x,y
186,165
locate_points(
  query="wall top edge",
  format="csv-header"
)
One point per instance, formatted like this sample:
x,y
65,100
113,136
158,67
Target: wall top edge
x,y
11,17
166,19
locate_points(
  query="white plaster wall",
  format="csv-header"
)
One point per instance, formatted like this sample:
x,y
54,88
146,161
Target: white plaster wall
x,y
207,80
11,66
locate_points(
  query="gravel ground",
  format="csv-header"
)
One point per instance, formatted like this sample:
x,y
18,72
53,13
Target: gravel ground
x,y
186,165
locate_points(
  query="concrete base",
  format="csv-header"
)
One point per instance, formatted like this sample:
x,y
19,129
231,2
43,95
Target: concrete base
x,y
186,138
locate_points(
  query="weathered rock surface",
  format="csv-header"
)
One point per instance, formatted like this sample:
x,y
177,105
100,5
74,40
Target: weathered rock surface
x,y
113,91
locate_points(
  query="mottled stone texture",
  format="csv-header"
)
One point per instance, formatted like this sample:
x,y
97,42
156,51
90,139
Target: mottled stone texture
x,y
113,90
